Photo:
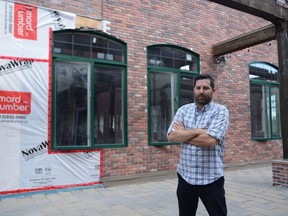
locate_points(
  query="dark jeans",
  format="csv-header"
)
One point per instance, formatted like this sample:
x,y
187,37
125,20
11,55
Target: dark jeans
x,y
211,195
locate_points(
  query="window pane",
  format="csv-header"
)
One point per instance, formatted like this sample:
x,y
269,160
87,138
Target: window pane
x,y
275,112
115,55
172,57
82,39
82,51
71,126
163,104
167,62
260,111
154,50
108,118
88,45
99,53
187,95
181,64
154,56
167,52
263,71
64,37
179,54
154,61
100,42
115,46
62,48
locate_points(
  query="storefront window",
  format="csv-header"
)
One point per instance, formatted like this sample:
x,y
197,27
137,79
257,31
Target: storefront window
x,y
170,70
265,102
89,91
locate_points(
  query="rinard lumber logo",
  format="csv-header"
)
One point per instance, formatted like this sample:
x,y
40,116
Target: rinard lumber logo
x,y
29,153
15,65
25,22
15,103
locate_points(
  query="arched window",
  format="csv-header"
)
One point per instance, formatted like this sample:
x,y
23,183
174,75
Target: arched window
x,y
265,104
171,71
89,90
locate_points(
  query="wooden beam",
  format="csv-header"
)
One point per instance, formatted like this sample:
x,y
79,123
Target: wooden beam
x,y
249,39
266,9
282,39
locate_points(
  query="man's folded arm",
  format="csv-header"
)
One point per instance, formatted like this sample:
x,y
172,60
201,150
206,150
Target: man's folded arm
x,y
181,135
203,140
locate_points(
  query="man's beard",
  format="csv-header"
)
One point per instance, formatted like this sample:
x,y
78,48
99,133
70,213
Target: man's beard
x,y
205,99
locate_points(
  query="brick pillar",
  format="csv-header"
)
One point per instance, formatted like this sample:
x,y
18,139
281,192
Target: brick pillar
x,y
280,173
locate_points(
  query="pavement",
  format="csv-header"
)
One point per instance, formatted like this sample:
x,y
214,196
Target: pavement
x,y
249,191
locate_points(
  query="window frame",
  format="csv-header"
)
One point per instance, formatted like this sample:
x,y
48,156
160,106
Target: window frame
x,y
270,84
101,63
180,73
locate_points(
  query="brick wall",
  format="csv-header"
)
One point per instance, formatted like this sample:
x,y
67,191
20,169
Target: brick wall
x,y
83,7
280,173
195,25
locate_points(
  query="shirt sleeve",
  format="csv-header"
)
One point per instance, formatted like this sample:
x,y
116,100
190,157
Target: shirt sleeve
x,y
219,124
177,117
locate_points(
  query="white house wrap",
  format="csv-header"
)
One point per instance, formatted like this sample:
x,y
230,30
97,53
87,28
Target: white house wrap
x,y
27,163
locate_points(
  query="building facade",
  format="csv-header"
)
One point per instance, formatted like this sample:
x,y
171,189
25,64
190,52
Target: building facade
x,y
151,52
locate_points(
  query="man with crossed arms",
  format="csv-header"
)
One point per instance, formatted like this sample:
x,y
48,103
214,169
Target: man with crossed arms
x,y
200,127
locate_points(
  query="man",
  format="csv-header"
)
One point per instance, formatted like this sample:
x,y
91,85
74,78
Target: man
x,y
200,127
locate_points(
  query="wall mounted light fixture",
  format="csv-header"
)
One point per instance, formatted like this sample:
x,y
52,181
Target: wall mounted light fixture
x,y
220,59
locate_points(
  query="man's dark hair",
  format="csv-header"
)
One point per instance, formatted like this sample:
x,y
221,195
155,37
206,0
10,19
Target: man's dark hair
x,y
204,76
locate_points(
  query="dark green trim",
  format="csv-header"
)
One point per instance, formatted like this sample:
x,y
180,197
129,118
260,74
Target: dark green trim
x,y
266,139
89,31
78,58
163,143
176,48
265,63
102,63
270,84
180,73
263,82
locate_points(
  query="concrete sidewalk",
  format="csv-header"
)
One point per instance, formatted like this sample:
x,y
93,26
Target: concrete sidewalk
x,y
249,191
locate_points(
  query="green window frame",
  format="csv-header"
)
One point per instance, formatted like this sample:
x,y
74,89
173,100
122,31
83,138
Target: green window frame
x,y
89,91
171,70
265,101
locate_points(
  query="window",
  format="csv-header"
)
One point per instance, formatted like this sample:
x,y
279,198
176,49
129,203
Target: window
x,y
171,70
89,91
265,104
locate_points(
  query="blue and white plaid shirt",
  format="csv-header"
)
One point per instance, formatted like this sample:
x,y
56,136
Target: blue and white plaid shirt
x,y
202,165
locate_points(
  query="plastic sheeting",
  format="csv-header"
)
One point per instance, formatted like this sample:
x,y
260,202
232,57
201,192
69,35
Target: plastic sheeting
x,y
26,163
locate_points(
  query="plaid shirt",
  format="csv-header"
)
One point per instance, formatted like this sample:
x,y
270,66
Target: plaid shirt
x,y
202,165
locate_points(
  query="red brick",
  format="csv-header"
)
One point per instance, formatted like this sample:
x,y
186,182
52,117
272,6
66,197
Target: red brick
x,y
192,24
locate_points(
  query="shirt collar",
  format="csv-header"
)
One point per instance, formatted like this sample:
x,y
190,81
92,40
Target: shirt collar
x,y
205,108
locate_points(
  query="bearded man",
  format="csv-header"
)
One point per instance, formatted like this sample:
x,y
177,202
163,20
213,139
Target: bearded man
x,y
200,127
